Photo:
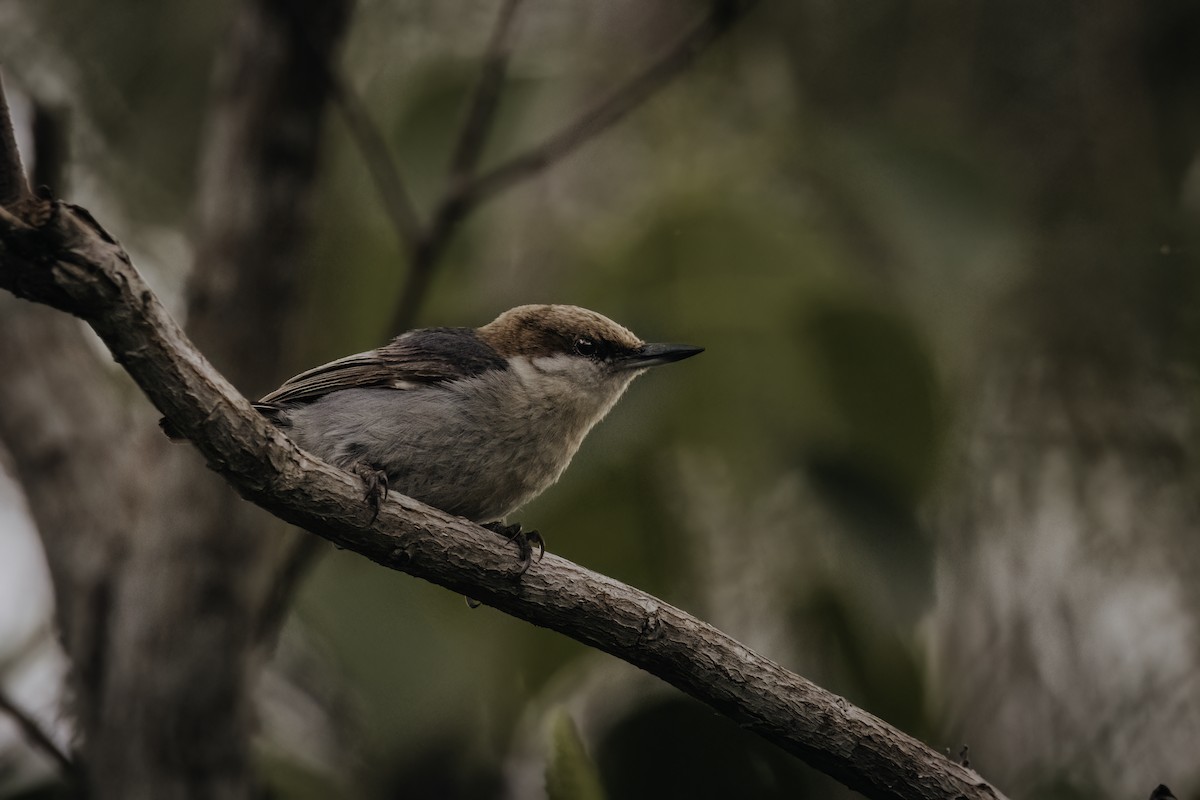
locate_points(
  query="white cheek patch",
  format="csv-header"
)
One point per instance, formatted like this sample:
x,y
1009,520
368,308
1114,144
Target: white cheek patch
x,y
559,374
576,387
556,363
403,385
525,370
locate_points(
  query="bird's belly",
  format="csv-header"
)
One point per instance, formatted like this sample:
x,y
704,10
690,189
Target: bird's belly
x,y
481,462
483,482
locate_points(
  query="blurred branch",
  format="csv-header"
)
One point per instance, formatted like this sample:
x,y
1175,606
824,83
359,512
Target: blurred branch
x,y
481,111
426,249
609,111
34,734
382,167
61,419
465,191
13,186
425,243
50,146
68,422
64,421
258,163
73,264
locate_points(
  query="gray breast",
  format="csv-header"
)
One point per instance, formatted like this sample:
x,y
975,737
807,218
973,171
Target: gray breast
x,y
470,449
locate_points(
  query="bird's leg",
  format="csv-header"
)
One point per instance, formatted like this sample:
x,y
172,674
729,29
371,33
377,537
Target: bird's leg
x,y
375,486
523,539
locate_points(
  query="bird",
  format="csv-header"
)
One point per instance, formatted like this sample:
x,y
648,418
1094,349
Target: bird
x,y
474,421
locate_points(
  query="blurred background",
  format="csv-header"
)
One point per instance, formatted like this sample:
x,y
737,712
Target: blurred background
x,y
939,457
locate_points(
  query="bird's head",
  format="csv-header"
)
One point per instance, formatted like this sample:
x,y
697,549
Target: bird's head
x,y
571,351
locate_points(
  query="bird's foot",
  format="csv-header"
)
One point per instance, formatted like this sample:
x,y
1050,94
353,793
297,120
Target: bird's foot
x,y
523,539
375,486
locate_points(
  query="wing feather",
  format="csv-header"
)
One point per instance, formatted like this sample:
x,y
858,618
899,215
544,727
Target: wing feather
x,y
428,356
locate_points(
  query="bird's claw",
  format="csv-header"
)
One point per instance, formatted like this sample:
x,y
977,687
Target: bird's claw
x,y
535,538
375,487
524,540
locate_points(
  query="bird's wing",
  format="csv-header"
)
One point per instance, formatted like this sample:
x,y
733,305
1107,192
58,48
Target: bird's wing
x,y
431,355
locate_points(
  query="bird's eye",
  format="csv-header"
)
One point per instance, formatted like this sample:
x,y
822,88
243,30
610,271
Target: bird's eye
x,y
585,347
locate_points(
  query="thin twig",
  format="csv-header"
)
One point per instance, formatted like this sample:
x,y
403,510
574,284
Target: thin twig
x,y
50,147
13,186
610,110
424,252
464,196
10,222
37,738
384,171
481,111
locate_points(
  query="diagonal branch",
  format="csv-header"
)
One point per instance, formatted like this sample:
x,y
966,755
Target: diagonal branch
x,y
104,538
13,186
465,191
481,111
72,263
34,734
609,111
385,173
426,248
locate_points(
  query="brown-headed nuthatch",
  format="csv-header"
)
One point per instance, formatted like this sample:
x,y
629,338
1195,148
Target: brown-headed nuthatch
x,y
474,421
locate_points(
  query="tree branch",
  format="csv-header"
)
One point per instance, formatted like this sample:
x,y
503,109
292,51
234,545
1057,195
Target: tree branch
x,y
50,145
261,149
36,737
425,248
13,185
481,111
73,264
465,191
63,425
183,539
609,111
384,172
61,420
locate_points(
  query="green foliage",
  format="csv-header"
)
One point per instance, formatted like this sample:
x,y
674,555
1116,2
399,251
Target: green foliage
x,y
883,388
677,748
285,777
570,773
137,86
870,661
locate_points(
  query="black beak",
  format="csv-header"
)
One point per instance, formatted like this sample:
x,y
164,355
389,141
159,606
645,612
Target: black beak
x,y
651,355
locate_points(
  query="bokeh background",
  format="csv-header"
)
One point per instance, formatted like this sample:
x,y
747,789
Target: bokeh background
x,y
940,454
